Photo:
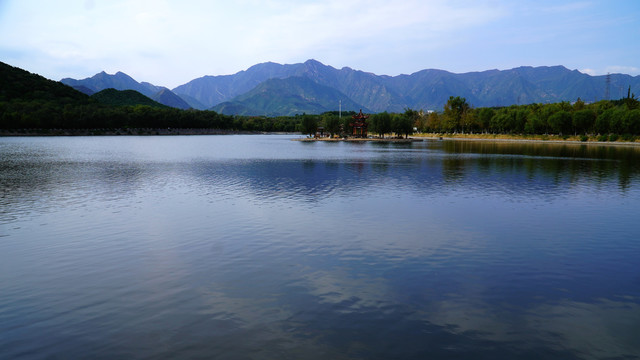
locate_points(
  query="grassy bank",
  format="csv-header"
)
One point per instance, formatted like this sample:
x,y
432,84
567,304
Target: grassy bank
x,y
599,139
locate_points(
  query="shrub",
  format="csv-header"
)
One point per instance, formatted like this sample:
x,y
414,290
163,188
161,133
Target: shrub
x,y
584,138
613,137
627,137
603,137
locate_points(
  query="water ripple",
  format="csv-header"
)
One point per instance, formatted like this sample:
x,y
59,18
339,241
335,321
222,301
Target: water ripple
x,y
261,247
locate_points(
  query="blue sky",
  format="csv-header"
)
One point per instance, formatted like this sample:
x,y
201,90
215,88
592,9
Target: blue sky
x,y
170,42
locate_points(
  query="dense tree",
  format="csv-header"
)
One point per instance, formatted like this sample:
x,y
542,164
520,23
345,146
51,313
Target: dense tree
x,y
535,124
630,101
632,122
433,122
583,121
520,120
422,121
380,123
345,125
331,123
401,124
603,121
309,124
484,116
616,121
454,111
413,116
469,121
560,122
499,122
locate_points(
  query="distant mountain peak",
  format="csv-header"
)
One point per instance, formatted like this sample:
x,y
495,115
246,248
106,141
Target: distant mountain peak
x,y
121,81
167,97
426,89
264,65
288,96
314,62
316,65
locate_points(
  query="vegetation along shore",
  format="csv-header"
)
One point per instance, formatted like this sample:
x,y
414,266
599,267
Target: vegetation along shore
x,y
33,105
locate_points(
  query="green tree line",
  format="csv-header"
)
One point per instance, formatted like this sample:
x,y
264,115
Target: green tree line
x,y
381,124
606,117
43,114
29,101
620,117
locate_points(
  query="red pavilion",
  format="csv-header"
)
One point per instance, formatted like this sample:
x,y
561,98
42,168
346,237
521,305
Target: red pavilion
x,y
359,125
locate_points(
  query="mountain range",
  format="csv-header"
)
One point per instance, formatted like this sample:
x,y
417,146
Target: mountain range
x,y
312,87
122,81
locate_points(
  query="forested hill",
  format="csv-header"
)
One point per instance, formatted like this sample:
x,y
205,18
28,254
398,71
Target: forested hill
x,y
32,104
124,98
20,85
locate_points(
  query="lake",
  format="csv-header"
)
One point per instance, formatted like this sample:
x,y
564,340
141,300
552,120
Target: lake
x,y
259,247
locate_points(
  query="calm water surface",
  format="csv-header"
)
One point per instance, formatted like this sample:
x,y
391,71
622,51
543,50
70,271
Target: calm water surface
x,y
258,247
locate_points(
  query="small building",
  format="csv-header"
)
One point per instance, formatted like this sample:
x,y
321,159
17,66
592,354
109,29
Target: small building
x,y
359,125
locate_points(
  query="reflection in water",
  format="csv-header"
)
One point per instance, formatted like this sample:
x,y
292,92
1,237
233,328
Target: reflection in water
x,y
571,150
557,160
260,247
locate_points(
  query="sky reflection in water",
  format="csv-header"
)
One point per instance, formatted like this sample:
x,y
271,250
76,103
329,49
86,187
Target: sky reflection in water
x,y
261,247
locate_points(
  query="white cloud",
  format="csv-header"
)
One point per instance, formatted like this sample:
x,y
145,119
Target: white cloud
x,y
591,327
170,42
615,69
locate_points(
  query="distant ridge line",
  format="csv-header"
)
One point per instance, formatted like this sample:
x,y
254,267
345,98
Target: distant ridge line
x,y
427,89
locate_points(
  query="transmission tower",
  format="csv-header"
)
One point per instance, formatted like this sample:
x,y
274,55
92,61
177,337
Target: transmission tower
x,y
607,93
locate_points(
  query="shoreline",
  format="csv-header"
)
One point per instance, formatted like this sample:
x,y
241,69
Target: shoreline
x,y
516,139
478,138
127,132
537,139
409,140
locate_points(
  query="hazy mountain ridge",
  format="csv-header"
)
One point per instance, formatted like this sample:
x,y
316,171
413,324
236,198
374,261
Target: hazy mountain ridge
x,y
427,89
19,84
289,96
213,90
167,97
83,89
121,81
118,81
